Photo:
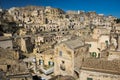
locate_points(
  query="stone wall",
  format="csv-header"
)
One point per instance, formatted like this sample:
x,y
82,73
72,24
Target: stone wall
x,y
94,75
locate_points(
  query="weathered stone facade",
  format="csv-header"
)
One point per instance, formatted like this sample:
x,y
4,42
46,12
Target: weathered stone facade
x,y
66,55
94,75
93,69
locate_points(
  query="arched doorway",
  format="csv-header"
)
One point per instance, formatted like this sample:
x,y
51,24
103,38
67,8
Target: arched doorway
x,y
76,74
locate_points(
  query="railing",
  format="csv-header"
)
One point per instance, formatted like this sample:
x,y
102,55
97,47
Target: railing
x,y
47,70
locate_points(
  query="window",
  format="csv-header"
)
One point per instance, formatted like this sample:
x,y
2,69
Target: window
x,y
37,51
50,63
41,62
90,45
8,67
106,42
89,78
62,66
94,54
98,55
63,62
60,53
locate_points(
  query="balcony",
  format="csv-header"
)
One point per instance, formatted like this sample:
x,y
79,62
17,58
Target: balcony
x,y
46,69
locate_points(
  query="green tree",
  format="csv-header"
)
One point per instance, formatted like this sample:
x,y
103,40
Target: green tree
x,y
117,20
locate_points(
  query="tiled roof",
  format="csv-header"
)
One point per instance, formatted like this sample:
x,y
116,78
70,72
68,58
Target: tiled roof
x,y
75,43
3,38
4,53
102,65
59,77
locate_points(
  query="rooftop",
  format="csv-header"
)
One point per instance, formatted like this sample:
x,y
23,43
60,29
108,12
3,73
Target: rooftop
x,y
105,66
5,53
74,43
59,77
91,40
4,38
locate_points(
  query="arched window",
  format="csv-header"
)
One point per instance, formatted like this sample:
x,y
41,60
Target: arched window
x,y
62,66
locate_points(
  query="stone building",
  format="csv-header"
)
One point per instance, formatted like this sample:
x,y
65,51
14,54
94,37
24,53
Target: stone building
x,y
6,42
44,53
59,77
26,76
38,40
95,69
112,52
25,43
45,58
113,55
67,55
50,19
22,32
7,57
98,45
9,62
99,31
104,41
93,47
83,32
44,61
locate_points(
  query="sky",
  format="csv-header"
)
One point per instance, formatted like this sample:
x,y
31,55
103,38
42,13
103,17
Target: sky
x,y
107,7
